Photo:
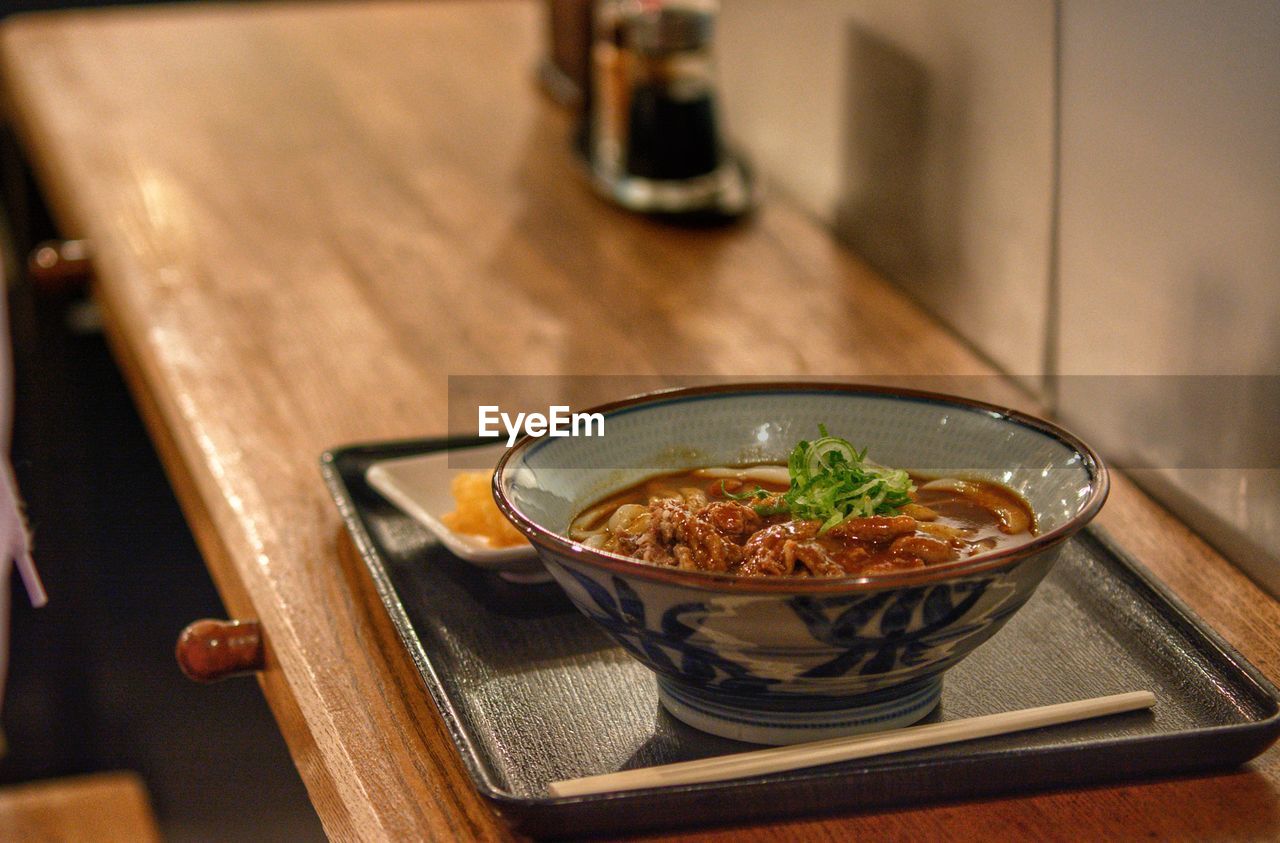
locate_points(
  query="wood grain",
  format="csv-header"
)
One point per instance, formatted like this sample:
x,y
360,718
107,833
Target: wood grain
x,y
103,808
306,217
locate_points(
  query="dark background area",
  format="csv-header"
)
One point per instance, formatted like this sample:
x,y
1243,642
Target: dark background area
x,y
93,684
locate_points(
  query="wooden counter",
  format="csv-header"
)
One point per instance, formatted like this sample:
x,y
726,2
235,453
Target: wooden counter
x,y
306,217
98,808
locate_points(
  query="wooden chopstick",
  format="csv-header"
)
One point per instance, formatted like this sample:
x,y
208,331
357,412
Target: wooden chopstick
x,y
761,761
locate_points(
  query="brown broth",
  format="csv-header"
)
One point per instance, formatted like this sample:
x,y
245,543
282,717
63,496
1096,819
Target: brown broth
x,y
688,520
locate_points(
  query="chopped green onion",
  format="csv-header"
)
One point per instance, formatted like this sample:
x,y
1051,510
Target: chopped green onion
x,y
832,481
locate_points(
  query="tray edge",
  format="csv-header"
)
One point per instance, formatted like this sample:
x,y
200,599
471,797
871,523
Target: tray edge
x,y
529,812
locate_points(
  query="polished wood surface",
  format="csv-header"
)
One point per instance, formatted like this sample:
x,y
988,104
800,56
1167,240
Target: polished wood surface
x,y
304,218
101,808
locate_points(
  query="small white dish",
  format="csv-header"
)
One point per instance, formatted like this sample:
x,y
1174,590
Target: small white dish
x,y
419,486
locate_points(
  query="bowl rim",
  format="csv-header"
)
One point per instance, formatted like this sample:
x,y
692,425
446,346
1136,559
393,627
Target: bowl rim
x,y
543,538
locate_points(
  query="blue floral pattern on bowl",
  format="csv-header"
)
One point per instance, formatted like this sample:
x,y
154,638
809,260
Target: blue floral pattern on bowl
x,y
798,659
846,657
666,649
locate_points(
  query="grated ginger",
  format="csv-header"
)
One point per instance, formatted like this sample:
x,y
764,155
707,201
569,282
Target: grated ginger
x,y
476,513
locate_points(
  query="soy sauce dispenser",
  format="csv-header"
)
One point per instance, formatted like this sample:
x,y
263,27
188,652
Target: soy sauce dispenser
x,y
651,131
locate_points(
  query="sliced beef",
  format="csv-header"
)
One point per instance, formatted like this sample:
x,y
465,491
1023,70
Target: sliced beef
x,y
706,540
772,551
732,537
876,529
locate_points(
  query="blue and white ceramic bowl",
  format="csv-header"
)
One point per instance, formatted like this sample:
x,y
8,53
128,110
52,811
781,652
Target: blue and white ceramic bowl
x,y
781,660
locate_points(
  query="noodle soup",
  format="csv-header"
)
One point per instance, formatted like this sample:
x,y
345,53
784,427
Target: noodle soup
x,y
736,521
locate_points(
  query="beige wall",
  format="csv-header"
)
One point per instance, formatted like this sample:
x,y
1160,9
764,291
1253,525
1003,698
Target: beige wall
x,y
1170,254
924,131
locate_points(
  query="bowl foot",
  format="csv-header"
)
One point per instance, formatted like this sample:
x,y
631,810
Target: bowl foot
x,y
737,720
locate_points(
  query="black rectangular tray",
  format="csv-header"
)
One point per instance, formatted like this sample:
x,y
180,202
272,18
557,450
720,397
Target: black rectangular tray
x,y
533,692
